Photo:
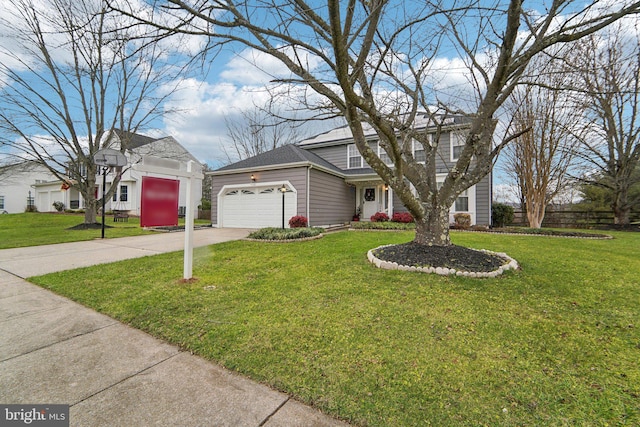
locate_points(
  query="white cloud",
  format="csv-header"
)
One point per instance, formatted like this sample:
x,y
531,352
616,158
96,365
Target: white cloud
x,y
197,113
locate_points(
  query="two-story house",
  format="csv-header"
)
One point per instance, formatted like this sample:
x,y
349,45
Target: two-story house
x,y
325,179
127,197
17,192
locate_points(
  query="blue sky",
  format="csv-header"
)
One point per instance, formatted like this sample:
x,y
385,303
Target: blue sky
x,y
237,80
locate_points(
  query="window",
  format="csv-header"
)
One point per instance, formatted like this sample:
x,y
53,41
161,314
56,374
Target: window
x,y
124,193
462,202
354,159
231,193
247,192
267,191
418,152
384,156
1,202
115,196
457,145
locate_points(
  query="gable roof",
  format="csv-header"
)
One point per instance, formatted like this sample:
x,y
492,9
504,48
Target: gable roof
x,y
342,134
284,155
133,140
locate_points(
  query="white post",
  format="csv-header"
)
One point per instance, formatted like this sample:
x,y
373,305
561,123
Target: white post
x,y
188,225
170,167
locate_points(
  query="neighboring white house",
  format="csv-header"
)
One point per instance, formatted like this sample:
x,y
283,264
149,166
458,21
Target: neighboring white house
x,y
17,181
128,194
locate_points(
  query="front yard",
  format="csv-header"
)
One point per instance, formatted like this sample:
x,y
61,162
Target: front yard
x,y
557,343
35,229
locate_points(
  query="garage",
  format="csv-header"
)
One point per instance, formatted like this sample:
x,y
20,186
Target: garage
x,y
256,206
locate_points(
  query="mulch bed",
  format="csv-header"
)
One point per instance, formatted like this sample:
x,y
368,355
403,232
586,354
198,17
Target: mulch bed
x,y
88,226
456,257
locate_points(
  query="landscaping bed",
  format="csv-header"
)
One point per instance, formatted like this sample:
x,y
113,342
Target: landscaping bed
x,y
285,234
450,257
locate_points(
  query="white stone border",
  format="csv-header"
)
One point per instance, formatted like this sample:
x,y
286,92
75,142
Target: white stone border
x,y
512,264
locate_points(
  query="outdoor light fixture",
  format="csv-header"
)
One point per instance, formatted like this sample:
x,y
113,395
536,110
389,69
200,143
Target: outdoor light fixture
x,y
253,178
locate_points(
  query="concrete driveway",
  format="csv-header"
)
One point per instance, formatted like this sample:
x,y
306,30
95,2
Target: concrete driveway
x,y
37,260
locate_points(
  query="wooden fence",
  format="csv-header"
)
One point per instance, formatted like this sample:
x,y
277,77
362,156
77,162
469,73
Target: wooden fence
x,y
573,219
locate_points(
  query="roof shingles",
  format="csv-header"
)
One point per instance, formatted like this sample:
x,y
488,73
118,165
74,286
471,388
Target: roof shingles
x,y
286,154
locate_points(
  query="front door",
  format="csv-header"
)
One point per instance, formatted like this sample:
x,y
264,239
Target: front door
x,y
369,203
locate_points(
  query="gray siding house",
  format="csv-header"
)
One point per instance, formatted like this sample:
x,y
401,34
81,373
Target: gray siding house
x,y
325,179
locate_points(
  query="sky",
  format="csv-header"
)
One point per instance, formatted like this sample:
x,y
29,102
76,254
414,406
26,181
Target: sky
x,y
231,81
234,80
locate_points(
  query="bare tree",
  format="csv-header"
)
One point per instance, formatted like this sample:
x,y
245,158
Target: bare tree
x,y
257,131
70,76
373,62
538,160
608,66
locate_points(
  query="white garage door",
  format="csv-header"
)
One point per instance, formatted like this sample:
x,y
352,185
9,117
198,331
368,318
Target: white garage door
x,y
256,207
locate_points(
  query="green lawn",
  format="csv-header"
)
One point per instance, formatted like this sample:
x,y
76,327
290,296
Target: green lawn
x,y
34,229
557,343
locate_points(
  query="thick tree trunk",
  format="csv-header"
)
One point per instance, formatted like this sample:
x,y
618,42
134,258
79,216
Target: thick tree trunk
x,y
433,229
621,209
621,215
535,214
90,212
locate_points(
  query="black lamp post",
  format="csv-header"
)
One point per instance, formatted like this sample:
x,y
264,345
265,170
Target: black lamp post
x,y
107,158
104,184
283,190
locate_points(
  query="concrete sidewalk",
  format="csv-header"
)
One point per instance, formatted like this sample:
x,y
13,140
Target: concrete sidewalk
x,y
55,351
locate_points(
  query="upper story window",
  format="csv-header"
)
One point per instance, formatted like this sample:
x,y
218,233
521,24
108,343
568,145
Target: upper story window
x,y
418,151
354,159
77,169
457,145
384,156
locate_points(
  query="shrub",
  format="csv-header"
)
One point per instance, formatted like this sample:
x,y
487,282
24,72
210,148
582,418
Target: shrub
x,y
403,217
501,214
379,217
272,233
298,221
59,206
389,225
462,220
